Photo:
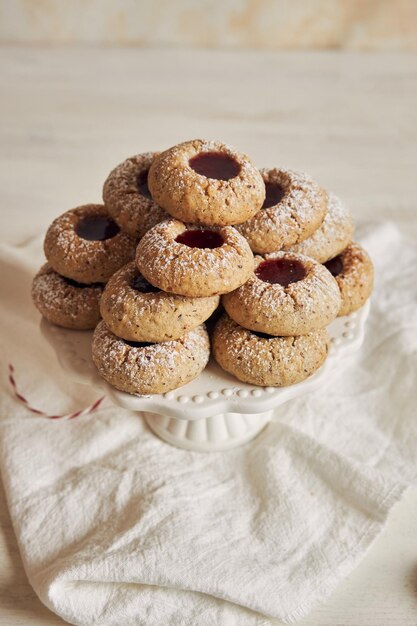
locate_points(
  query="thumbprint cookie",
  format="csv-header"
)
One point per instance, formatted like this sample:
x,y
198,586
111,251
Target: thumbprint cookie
x,y
206,182
87,245
144,368
65,302
333,236
354,274
294,207
128,199
136,310
288,294
260,359
192,261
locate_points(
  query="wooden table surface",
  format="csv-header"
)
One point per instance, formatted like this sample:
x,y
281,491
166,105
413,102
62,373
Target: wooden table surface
x,y
67,116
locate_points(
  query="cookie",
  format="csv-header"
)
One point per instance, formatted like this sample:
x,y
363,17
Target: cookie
x,y
65,302
194,262
136,310
206,182
333,236
294,207
288,294
146,368
354,274
267,361
85,244
127,196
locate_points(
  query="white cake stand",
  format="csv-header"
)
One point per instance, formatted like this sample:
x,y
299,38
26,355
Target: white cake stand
x,y
215,411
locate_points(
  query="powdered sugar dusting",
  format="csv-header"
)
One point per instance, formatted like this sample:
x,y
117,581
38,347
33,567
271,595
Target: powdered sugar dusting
x,y
277,361
175,267
85,260
332,236
152,316
133,211
356,279
295,217
64,303
153,368
312,302
296,220
192,197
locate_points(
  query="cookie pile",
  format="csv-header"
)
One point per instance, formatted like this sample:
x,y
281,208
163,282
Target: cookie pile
x,y
83,248
175,241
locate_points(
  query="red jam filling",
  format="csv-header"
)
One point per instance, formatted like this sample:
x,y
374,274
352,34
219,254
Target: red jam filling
x,y
96,228
282,271
138,344
73,283
142,185
262,335
274,194
141,284
335,266
215,165
201,239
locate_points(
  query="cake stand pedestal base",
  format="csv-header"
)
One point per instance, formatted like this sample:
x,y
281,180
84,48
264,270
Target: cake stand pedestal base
x,y
219,432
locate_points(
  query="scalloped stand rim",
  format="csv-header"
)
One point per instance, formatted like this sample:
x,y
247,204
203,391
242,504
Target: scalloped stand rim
x,y
223,405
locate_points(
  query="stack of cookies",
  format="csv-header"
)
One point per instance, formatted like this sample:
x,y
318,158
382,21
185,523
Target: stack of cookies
x,y
83,248
175,239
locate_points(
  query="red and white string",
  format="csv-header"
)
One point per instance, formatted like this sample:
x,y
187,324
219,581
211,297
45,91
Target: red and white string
x,y
26,403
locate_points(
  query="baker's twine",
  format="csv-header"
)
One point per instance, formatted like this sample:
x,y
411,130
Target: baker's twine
x,y
69,416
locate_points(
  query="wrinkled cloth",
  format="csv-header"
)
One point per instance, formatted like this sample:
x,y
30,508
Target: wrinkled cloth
x,y
117,527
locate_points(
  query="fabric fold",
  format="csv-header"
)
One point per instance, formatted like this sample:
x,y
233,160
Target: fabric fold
x,y
116,527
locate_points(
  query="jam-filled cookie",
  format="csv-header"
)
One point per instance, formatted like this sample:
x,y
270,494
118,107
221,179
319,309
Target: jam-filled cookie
x,y
206,182
333,235
127,196
294,207
354,273
65,302
192,261
136,310
267,361
87,245
145,368
288,294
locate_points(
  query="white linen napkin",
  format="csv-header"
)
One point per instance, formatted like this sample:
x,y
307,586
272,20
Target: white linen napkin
x,y
116,527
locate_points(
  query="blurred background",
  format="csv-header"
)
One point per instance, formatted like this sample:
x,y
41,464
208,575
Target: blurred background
x,y
324,86
260,24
